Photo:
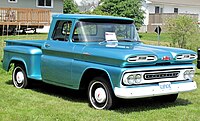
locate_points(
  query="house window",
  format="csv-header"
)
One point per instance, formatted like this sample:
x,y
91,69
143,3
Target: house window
x,y
161,10
175,10
157,9
44,3
12,1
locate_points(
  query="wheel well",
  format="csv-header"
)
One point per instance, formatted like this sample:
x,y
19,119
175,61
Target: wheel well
x,y
91,74
15,62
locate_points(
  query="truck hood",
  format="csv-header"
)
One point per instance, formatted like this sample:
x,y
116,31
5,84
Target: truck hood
x,y
118,54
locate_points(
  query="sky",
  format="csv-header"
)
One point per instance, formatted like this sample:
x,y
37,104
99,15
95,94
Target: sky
x,y
78,1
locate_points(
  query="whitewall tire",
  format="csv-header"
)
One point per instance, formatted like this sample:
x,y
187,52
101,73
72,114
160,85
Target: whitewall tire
x,y
100,94
19,76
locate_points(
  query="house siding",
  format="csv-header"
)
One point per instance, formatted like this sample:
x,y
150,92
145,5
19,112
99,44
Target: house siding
x,y
178,2
57,5
184,7
181,9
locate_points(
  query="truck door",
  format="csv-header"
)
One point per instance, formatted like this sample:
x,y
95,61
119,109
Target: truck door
x,y
58,55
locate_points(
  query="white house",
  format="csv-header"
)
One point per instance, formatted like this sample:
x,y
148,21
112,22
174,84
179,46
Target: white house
x,y
154,8
87,5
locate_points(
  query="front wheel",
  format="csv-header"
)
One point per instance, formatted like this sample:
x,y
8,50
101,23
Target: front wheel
x,y
100,94
19,76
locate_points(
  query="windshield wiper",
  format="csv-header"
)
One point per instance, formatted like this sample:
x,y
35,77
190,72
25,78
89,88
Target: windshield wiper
x,y
128,40
125,40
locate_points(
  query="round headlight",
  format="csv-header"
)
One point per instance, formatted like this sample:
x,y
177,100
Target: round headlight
x,y
186,74
191,74
138,78
130,79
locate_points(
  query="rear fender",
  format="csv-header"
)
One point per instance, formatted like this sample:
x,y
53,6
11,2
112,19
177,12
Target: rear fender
x,y
14,60
29,56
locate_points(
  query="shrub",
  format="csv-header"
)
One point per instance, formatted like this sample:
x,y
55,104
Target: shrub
x,y
184,31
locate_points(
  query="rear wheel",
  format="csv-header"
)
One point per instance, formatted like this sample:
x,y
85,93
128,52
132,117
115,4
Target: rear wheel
x,y
19,76
166,98
100,94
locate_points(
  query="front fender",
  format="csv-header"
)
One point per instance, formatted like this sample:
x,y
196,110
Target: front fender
x,y
80,67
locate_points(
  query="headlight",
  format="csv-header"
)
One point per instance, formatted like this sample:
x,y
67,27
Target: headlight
x,y
130,79
138,78
192,73
186,75
189,74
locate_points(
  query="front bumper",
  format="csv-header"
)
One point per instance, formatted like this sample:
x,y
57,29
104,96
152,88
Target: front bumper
x,y
142,91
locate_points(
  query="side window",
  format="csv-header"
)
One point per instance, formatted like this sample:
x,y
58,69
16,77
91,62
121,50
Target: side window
x,y
66,28
62,30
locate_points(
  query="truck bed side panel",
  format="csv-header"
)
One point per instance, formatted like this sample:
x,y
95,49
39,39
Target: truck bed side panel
x,y
33,43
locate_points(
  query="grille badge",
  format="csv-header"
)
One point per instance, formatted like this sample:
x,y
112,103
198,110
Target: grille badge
x,y
166,58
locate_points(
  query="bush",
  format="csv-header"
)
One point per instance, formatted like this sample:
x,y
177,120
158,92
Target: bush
x,y
184,31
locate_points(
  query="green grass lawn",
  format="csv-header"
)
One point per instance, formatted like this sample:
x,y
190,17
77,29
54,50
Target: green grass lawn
x,y
44,102
152,38
164,37
25,37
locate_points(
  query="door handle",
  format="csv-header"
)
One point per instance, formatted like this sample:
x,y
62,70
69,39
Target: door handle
x,y
47,45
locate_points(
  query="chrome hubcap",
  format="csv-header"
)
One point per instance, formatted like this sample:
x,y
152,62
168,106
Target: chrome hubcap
x,y
100,95
19,77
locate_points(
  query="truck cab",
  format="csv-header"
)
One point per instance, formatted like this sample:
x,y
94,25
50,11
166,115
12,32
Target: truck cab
x,y
103,55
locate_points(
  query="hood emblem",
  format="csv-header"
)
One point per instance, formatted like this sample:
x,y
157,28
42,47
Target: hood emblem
x,y
166,58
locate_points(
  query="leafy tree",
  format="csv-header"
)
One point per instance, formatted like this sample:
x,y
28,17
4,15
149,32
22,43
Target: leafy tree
x,y
125,8
183,31
69,6
96,12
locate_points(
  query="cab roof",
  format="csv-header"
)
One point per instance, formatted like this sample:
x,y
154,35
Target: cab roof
x,y
86,16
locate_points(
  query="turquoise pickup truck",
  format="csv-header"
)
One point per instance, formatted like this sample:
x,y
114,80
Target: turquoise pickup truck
x,y
103,55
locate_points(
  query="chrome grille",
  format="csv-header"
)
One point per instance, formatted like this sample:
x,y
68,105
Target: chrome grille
x,y
161,75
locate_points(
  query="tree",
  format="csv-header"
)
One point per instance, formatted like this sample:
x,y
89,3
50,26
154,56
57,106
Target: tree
x,y
125,8
70,7
183,31
96,12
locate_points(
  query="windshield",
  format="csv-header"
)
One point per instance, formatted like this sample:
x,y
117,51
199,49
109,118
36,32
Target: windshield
x,y
100,31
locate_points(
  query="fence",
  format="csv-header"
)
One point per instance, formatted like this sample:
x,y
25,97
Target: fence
x,y
24,16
